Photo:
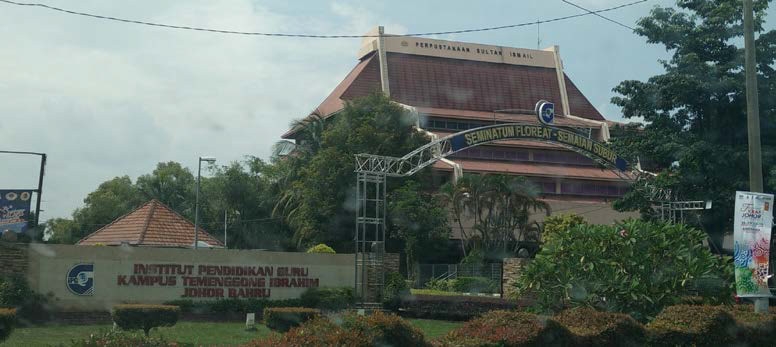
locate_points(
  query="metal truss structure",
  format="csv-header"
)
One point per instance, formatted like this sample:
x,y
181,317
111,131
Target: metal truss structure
x,y
372,171
370,237
670,207
440,148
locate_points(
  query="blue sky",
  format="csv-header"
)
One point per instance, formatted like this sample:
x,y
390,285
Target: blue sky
x,y
107,99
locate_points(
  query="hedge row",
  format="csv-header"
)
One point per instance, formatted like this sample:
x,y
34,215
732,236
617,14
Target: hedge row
x,y
145,317
454,307
377,329
284,318
7,322
595,328
508,328
325,299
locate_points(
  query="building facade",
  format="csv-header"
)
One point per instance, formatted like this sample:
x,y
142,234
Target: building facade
x,y
455,86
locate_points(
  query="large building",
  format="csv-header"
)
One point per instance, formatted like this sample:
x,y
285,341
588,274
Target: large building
x,y
454,86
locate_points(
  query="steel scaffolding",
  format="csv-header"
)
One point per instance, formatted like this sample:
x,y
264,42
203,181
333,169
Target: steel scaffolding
x,y
370,237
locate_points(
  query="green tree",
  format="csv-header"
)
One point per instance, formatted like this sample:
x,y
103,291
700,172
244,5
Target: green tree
x,y
112,199
243,190
695,133
172,184
500,206
316,196
418,219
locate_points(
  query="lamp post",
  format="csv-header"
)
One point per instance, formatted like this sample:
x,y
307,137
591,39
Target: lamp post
x,y
196,203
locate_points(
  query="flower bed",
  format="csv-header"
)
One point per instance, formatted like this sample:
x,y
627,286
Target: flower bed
x,y
508,328
595,328
449,307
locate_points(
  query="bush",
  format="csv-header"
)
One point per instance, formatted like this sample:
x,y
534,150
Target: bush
x,y
321,248
7,322
440,285
16,292
395,289
377,329
454,307
145,317
121,339
509,328
635,267
595,328
684,325
380,329
474,285
328,299
232,308
317,332
285,318
754,329
558,225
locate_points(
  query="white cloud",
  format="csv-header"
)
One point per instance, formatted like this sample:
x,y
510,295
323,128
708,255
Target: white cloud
x,y
109,99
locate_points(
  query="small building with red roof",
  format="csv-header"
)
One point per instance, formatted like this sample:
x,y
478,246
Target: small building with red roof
x,y
153,224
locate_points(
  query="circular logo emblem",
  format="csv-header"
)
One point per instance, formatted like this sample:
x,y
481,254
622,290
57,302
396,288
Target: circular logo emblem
x,y
10,196
546,111
80,279
404,44
24,196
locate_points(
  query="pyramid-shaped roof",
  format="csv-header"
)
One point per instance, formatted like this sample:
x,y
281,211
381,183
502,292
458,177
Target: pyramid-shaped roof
x,y
152,224
462,84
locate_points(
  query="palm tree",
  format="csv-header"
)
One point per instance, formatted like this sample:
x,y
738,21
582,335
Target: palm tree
x,y
290,158
500,205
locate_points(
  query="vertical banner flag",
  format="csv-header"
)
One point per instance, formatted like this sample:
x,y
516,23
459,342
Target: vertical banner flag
x,y
752,233
14,210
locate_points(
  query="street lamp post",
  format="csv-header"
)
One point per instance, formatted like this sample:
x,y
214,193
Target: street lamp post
x,y
196,203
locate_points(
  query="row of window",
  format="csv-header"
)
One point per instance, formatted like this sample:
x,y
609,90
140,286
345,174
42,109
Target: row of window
x,y
454,125
518,154
572,187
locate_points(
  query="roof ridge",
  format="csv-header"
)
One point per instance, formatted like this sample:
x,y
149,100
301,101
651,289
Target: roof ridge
x,y
143,232
116,220
186,220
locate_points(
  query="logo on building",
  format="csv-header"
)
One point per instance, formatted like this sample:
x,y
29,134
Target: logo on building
x,y
80,279
545,110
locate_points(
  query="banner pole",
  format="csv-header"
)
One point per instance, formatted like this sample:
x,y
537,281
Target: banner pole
x,y
40,188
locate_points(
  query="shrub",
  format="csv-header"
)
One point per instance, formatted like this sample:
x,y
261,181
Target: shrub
x,y
754,329
232,308
145,317
15,292
285,318
316,332
380,329
684,325
377,329
509,328
328,299
560,224
474,285
440,285
454,307
7,322
395,289
635,267
321,248
595,328
121,339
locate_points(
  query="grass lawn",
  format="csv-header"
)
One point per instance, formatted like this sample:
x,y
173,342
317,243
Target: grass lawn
x,y
198,333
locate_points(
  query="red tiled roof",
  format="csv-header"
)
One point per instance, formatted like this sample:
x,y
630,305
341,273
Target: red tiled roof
x,y
424,81
530,169
152,224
